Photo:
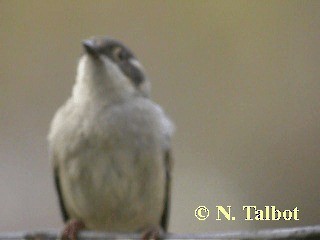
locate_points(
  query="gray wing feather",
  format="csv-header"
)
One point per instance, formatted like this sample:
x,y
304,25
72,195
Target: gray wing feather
x,y
166,210
57,183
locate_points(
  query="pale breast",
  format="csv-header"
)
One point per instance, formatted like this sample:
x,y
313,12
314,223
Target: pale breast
x,y
116,179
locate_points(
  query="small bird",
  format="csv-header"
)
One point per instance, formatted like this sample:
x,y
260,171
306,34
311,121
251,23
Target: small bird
x,y
110,145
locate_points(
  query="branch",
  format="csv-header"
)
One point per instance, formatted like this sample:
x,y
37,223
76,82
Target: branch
x,y
309,232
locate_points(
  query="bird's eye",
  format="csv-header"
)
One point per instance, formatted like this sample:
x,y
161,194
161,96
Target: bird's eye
x,y
118,54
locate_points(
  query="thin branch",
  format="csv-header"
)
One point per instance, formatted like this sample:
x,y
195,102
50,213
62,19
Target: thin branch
x,y
299,233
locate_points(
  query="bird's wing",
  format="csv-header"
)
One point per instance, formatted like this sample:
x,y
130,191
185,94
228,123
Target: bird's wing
x,y
166,210
57,183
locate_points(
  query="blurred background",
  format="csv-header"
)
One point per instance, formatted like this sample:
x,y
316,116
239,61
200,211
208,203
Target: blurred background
x,y
241,80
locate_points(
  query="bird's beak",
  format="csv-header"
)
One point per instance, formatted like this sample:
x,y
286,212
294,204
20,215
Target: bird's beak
x,y
90,47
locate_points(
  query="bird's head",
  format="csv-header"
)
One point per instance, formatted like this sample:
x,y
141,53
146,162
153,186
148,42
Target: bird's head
x,y
109,70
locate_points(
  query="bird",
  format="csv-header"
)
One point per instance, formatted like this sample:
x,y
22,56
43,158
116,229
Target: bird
x,y
111,146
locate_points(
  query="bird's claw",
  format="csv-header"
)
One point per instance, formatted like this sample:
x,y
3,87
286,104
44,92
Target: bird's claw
x,y
71,230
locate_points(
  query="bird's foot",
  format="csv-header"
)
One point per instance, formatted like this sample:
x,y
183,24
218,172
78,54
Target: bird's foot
x,y
154,233
70,232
